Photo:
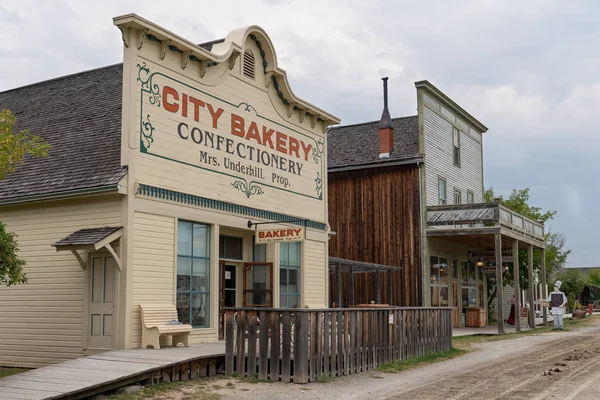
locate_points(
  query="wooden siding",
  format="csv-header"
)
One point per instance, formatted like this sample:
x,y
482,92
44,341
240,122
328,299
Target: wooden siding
x,y
42,322
153,265
439,160
376,216
315,274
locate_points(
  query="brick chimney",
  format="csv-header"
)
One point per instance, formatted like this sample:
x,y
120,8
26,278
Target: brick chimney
x,y
386,130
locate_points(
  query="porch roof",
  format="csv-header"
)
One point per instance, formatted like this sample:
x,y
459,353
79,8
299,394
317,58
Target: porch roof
x,y
479,222
89,237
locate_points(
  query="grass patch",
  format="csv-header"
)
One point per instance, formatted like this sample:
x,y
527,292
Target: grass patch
x,y
10,371
254,379
419,361
464,342
194,389
324,378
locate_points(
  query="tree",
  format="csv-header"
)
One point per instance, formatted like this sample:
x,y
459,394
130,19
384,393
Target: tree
x,y
573,282
555,254
594,276
13,149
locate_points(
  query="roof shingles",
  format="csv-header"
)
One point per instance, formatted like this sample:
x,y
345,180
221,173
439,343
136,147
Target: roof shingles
x,y
88,236
80,117
358,145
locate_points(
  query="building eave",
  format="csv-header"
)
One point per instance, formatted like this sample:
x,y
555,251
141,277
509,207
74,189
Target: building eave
x,y
407,161
60,195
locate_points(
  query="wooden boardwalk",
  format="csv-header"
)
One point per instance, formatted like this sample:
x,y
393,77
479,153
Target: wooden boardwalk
x,y
91,375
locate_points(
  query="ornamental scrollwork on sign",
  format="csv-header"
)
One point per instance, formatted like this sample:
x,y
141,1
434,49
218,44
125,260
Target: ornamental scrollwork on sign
x,y
317,152
147,131
247,107
319,186
145,78
248,190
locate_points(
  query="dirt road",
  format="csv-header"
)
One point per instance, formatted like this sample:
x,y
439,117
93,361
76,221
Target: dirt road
x,y
563,365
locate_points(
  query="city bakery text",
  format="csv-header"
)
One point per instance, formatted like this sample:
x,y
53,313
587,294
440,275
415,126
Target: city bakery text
x,y
191,107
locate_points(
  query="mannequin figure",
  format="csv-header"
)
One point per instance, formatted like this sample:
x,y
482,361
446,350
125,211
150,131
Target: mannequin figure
x,y
557,300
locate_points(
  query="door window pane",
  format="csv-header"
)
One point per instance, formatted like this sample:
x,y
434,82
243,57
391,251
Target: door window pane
x,y
443,268
464,275
434,270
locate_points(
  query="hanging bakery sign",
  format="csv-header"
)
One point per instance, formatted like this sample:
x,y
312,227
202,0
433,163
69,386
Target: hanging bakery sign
x,y
255,154
279,235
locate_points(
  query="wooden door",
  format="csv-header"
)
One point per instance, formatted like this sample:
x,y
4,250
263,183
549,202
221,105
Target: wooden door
x,y
227,292
258,284
102,300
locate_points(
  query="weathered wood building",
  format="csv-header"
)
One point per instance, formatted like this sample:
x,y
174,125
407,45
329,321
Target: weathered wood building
x,y
408,192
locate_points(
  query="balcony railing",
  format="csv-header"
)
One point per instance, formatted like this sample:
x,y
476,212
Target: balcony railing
x,y
484,215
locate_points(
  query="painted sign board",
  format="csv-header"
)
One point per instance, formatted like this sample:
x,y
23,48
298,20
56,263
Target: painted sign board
x,y
488,269
489,257
280,235
233,140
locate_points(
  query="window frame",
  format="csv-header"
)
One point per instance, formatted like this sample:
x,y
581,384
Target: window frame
x,y
442,201
459,193
437,284
472,197
284,265
192,257
456,146
241,240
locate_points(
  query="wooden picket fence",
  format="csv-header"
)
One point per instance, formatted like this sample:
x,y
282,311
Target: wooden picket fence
x,y
301,345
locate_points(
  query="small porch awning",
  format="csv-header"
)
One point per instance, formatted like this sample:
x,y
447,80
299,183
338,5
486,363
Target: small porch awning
x,y
91,239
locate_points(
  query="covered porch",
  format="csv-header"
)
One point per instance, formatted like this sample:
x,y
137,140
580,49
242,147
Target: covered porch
x,y
493,229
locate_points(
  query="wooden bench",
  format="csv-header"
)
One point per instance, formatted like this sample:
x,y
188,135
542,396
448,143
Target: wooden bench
x,y
155,319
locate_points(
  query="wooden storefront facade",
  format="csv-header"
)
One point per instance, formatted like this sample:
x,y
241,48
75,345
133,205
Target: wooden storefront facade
x,y
375,214
408,193
158,174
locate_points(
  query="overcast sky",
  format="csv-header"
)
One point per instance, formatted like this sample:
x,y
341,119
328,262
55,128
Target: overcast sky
x,y
527,69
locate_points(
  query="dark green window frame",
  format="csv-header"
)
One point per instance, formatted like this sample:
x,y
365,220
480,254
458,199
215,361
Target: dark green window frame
x,y
187,284
289,267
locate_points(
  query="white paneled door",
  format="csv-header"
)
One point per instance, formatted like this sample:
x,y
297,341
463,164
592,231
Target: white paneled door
x,y
102,301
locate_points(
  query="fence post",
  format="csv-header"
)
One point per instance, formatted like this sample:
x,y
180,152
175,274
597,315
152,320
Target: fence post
x,y
229,343
301,348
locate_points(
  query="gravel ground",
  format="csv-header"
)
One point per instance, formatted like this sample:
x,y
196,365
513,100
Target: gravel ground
x,y
556,365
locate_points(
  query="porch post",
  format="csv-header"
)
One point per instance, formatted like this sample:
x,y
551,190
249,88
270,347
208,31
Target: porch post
x,y
517,286
498,248
544,286
531,286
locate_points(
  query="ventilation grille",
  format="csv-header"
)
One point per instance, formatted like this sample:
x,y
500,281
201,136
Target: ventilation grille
x,y
249,64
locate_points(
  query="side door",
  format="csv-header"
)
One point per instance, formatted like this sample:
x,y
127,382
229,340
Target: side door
x,y
101,317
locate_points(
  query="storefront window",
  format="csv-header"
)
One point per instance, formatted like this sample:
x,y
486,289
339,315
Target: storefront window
x,y
259,252
439,281
468,283
289,274
193,274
